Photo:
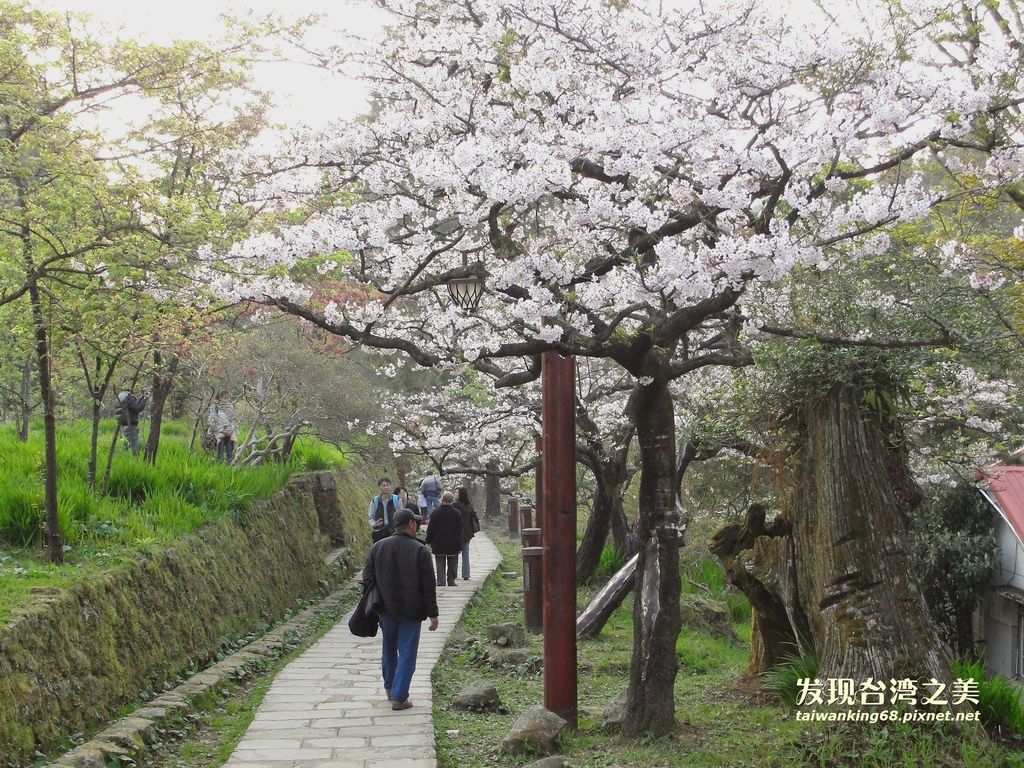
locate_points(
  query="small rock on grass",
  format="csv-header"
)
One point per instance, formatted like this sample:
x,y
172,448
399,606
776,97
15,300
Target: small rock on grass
x,y
615,713
480,696
536,730
557,761
510,635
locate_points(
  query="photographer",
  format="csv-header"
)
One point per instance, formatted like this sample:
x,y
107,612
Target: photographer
x,y
127,411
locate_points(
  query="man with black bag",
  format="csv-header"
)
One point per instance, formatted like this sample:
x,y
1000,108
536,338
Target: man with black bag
x,y
400,567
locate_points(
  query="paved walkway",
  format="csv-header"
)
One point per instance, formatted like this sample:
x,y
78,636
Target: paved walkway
x,y
327,709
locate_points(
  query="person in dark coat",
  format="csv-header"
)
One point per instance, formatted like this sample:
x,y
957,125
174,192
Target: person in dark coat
x,y
127,410
400,564
444,535
470,525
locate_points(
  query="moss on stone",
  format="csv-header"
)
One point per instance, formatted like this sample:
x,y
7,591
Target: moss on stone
x,y
75,659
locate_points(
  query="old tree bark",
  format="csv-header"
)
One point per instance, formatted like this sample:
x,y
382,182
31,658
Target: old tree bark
x,y
838,576
855,569
656,622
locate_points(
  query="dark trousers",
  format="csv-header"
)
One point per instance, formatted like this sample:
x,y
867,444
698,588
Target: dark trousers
x,y
131,435
446,567
398,653
225,449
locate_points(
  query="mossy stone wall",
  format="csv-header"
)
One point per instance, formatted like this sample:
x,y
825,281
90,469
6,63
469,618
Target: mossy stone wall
x,y
80,655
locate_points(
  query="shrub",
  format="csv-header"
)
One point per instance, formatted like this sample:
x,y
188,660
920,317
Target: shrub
x,y
783,679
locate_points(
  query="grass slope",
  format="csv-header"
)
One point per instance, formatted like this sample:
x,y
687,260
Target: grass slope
x,y
147,505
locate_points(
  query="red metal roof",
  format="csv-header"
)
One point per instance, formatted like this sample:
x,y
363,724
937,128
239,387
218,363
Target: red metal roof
x,y
1005,486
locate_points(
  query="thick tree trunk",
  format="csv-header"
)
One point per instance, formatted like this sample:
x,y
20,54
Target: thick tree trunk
x,y
492,486
656,622
758,560
855,569
54,540
163,382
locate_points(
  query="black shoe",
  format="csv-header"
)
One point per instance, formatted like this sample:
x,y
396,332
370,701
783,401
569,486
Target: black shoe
x,y
400,705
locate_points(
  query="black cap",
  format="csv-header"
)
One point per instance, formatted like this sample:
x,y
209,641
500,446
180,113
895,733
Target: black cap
x,y
405,516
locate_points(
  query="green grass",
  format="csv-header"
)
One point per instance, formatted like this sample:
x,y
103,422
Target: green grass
x,y
999,700
146,504
723,719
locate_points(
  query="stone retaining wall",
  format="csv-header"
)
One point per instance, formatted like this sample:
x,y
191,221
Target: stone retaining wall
x,y
80,655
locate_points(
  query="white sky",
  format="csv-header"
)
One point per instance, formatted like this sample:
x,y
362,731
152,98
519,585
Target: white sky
x,y
302,93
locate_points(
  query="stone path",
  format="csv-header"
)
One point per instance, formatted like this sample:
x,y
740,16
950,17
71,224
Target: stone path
x,y
327,709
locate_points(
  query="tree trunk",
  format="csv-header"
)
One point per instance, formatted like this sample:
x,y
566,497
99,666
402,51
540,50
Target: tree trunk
x,y
855,569
656,620
758,560
610,475
26,399
492,486
588,556
163,382
98,393
607,601
54,540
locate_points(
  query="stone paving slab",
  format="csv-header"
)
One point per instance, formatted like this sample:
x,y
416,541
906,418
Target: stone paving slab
x,y
327,709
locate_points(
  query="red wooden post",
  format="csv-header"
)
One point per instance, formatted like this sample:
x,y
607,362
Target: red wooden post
x,y
558,508
513,514
526,516
533,588
532,537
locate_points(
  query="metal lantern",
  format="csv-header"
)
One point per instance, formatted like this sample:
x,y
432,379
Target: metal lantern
x,y
466,291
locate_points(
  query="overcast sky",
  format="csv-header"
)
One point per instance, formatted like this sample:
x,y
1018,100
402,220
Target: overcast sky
x,y
302,93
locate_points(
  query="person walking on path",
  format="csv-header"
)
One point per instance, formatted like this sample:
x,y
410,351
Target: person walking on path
x,y
221,420
127,410
431,488
383,507
408,503
401,568
444,535
470,525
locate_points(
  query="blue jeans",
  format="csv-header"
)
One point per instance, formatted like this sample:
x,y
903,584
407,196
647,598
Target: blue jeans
x,y
465,560
398,654
433,502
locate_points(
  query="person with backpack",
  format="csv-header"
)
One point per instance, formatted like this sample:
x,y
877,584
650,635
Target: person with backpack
x,y
400,567
127,410
383,507
431,488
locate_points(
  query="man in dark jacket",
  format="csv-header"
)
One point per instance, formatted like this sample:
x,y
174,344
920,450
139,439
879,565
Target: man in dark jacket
x,y
400,565
444,535
127,410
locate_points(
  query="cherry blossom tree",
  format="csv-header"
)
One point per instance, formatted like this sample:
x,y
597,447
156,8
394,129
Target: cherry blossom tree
x,y
619,175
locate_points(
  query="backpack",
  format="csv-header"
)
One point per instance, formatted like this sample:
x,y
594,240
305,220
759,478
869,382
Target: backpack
x,y
430,485
119,409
